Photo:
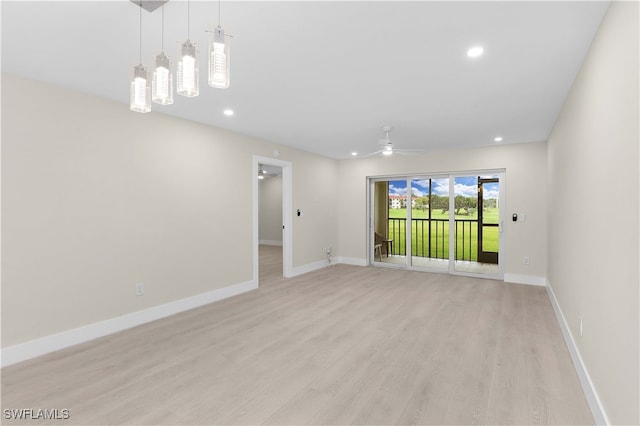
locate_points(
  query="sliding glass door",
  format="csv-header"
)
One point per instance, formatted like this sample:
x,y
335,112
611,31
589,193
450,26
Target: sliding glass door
x,y
437,223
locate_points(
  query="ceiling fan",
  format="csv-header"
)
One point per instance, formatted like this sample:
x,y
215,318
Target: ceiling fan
x,y
387,148
266,171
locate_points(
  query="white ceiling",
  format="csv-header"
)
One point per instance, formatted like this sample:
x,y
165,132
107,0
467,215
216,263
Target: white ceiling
x,y
325,76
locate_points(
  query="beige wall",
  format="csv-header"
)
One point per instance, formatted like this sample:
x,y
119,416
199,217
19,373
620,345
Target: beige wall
x,y
593,215
525,166
270,211
96,198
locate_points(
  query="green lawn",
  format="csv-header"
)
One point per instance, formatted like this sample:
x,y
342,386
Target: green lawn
x,y
490,214
466,240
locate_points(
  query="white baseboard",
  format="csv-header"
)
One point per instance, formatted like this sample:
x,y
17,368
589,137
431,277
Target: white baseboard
x,y
356,261
270,243
310,267
525,279
43,345
597,409
299,270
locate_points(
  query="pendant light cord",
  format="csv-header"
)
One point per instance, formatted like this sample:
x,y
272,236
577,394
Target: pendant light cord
x,y
140,33
219,16
162,38
188,19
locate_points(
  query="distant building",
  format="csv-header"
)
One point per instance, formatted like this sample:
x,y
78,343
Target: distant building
x,y
400,202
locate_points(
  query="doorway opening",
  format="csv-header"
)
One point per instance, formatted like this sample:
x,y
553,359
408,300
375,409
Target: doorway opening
x,y
269,223
272,193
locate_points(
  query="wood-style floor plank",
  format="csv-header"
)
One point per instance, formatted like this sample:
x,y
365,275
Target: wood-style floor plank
x,y
341,345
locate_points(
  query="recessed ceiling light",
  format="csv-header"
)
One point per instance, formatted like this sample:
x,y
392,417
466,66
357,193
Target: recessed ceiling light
x,y
354,153
475,51
497,139
228,112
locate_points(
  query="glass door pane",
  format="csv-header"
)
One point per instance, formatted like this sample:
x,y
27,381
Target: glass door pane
x,y
476,219
389,218
430,223
396,238
488,220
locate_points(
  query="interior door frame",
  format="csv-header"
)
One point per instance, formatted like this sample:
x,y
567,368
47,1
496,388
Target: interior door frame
x,y
287,203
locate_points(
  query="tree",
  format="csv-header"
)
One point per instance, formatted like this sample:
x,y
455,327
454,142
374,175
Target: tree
x,y
461,202
422,202
489,203
440,202
471,203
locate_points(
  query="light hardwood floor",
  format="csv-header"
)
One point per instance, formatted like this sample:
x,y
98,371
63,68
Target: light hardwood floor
x,y
342,345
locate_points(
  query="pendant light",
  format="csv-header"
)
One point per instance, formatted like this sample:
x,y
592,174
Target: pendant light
x,y
188,79
219,63
140,90
162,86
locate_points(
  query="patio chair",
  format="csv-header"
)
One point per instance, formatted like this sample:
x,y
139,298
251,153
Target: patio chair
x,y
377,246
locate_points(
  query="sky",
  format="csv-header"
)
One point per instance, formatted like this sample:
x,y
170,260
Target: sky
x,y
466,186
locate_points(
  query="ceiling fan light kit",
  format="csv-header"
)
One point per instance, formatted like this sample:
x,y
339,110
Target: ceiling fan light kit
x,y
386,146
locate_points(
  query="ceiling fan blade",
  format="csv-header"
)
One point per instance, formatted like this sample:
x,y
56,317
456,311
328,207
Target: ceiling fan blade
x,y
408,151
371,154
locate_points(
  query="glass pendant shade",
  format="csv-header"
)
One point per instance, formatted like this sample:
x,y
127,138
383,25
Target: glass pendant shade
x,y
219,60
140,91
162,85
188,79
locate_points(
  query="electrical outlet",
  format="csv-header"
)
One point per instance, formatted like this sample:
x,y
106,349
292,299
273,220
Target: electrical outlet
x,y
139,289
525,260
329,249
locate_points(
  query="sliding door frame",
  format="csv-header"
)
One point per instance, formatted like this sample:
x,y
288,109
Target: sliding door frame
x,y
408,264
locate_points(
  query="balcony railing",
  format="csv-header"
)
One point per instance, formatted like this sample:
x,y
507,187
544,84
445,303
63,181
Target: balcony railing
x,y
430,238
